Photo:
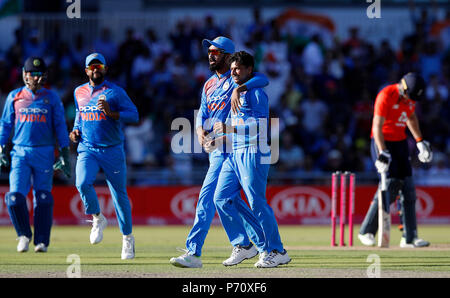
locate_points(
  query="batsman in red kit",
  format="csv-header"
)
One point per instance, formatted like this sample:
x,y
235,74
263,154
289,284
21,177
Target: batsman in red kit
x,y
394,112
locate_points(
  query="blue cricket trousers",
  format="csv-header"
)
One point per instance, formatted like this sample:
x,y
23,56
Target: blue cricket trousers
x,y
243,168
248,226
112,161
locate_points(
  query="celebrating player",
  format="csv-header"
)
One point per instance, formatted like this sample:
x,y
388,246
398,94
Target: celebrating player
x,y
218,94
394,111
37,116
247,167
101,108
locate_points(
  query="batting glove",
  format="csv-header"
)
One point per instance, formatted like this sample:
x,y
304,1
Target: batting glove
x,y
383,161
425,154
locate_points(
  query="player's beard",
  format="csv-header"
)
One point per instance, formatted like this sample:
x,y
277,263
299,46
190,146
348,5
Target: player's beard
x,y
98,78
218,64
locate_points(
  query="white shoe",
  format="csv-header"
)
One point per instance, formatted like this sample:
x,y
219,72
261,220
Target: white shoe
x,y
367,239
261,258
417,242
99,223
40,248
187,260
23,244
128,247
239,254
274,259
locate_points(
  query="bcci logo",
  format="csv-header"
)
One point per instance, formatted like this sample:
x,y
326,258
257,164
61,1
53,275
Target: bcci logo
x,y
102,97
36,62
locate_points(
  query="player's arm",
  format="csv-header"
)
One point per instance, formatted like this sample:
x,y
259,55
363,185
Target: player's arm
x,y
6,125
75,134
202,117
127,112
425,153
59,122
8,119
377,128
384,157
259,80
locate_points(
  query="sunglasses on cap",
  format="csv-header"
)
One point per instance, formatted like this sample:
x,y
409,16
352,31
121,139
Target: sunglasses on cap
x,y
214,52
96,66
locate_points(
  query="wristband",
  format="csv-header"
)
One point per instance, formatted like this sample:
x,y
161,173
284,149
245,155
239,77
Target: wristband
x,y
419,140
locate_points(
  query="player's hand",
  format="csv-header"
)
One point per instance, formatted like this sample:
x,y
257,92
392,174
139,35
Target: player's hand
x,y
425,154
222,128
103,106
383,161
235,101
75,136
210,145
4,162
63,162
201,136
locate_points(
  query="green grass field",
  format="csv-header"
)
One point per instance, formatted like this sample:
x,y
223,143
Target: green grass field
x,y
308,246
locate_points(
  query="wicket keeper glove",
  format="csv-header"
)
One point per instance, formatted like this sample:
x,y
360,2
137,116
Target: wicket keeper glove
x,y
63,162
425,153
4,162
383,161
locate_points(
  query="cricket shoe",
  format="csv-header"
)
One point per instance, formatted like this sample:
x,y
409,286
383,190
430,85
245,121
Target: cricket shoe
x,y
40,248
274,259
239,254
23,244
262,256
186,260
417,242
367,239
99,223
128,247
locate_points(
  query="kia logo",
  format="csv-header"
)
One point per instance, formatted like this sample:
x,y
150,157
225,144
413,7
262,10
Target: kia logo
x,y
301,201
105,202
184,203
424,203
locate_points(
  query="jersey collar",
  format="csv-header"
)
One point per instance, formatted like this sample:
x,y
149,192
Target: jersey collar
x,y
226,74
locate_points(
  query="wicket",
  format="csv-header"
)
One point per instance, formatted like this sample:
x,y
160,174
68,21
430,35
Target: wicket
x,y
343,197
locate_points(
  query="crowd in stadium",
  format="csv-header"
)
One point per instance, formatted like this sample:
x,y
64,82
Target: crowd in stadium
x,y
322,95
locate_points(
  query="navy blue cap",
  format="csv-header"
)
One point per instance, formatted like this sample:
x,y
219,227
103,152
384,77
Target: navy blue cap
x,y
33,64
220,42
414,85
95,56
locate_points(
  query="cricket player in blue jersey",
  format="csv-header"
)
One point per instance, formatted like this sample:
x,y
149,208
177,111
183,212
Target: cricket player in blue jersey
x,y
216,103
247,166
101,110
36,115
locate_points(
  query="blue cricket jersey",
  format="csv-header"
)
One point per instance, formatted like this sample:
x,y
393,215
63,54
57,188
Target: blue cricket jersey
x,y
252,121
37,118
98,130
215,104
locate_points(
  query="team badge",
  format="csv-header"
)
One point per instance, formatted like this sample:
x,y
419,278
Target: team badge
x,y
225,86
36,62
102,97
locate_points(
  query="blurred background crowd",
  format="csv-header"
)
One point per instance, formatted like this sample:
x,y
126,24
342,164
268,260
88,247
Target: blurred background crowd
x,y
321,90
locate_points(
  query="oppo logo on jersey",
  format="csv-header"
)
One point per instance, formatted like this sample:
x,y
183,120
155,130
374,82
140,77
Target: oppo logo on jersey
x,y
89,109
33,110
91,113
32,115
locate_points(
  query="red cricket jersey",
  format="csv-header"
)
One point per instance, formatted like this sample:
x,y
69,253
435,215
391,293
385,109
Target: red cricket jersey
x,y
395,110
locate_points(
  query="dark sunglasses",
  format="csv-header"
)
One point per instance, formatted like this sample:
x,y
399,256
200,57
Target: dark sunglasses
x,y
96,66
214,52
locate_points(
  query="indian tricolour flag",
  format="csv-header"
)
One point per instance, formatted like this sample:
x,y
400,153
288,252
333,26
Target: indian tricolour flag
x,y
10,7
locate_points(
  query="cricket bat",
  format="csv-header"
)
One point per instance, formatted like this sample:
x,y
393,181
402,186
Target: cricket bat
x,y
384,216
